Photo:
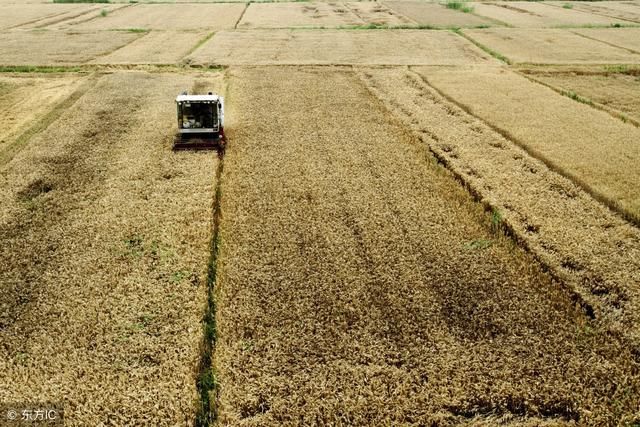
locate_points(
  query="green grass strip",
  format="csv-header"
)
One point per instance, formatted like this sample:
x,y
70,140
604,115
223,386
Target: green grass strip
x,y
39,69
460,5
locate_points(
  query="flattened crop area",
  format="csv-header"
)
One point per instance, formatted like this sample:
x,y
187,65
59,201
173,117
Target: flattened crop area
x,y
339,300
105,244
379,14
329,47
436,15
283,15
550,46
59,47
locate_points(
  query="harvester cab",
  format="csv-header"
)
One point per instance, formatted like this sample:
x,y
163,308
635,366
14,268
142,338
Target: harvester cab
x,y
200,121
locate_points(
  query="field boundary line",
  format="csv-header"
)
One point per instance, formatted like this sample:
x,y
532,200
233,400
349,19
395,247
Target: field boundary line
x,y
543,65
246,6
570,70
614,206
505,228
90,67
612,111
9,152
604,42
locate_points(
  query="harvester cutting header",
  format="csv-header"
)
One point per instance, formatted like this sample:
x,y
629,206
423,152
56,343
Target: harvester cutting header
x,y
200,121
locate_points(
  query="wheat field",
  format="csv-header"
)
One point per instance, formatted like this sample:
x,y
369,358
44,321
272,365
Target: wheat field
x,y
423,213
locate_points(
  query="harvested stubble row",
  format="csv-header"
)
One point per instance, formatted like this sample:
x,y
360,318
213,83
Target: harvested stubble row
x,y
580,240
596,150
359,284
105,241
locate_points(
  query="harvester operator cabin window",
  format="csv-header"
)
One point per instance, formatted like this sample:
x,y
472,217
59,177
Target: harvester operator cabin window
x,y
198,115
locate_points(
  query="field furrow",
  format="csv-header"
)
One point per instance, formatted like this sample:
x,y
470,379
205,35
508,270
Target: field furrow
x,y
105,242
359,284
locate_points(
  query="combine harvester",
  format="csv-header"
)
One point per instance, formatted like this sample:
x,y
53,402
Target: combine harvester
x,y
200,122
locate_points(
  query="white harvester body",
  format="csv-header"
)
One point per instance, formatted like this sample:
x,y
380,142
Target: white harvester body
x,y
200,120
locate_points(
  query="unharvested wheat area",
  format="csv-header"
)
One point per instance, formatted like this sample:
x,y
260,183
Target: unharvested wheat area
x,y
419,213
